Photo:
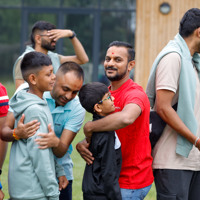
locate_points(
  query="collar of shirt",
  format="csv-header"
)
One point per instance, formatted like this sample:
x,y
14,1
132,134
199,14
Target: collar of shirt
x,y
52,104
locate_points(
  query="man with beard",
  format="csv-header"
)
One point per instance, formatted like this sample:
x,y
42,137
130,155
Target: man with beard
x,y
68,116
43,38
130,120
174,78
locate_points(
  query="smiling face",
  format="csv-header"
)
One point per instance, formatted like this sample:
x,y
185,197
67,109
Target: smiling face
x,y
116,63
45,78
66,87
106,105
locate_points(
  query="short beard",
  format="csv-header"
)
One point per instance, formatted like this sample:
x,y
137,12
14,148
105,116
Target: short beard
x,y
117,77
48,47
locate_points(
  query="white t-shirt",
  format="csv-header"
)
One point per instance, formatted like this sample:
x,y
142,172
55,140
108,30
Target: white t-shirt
x,y
117,142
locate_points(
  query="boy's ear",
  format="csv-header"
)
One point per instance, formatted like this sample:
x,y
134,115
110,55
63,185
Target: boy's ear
x,y
32,79
97,108
198,32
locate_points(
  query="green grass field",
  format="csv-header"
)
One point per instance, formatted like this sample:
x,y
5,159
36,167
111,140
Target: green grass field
x,y
79,163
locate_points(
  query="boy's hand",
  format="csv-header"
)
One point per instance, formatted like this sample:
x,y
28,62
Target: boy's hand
x,y
47,140
24,131
63,182
82,148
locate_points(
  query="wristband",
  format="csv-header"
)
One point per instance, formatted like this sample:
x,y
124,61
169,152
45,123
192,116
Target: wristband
x,y
15,136
0,186
73,35
195,143
0,171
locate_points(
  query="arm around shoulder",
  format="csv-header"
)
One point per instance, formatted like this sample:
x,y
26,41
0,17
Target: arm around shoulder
x,y
114,121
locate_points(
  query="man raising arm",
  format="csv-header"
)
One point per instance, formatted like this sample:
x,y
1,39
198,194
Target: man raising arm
x,y
44,36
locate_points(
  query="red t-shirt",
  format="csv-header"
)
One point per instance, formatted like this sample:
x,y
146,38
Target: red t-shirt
x,y
3,101
136,171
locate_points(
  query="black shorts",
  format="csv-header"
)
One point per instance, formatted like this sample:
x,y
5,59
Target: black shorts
x,y
177,184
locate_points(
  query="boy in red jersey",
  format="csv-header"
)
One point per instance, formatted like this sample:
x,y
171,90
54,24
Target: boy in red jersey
x,y
3,112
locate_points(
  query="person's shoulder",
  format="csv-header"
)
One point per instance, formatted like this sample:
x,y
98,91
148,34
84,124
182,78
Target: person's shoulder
x,y
75,103
36,110
47,95
4,99
3,90
135,89
169,64
50,53
27,50
135,92
172,56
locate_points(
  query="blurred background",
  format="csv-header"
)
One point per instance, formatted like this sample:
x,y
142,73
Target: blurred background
x,y
96,23
147,24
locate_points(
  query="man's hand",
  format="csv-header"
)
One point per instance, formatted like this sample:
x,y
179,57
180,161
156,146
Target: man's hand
x,y
87,131
56,34
63,182
1,195
82,148
47,140
24,131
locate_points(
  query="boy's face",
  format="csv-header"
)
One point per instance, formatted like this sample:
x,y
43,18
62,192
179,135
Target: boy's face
x,y
45,78
106,104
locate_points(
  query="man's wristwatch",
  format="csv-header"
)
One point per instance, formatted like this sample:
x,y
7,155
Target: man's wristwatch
x,y
73,35
0,171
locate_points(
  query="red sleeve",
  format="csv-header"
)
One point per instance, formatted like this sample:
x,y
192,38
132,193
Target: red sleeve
x,y
3,101
137,97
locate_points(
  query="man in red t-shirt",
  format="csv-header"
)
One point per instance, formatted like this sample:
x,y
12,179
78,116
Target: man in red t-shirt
x,y
3,112
130,120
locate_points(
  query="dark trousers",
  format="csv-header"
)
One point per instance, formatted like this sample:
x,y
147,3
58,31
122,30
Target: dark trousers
x,y
177,184
66,194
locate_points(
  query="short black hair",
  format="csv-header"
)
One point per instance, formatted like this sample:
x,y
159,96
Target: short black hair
x,y
40,26
71,66
92,93
190,22
33,62
131,51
